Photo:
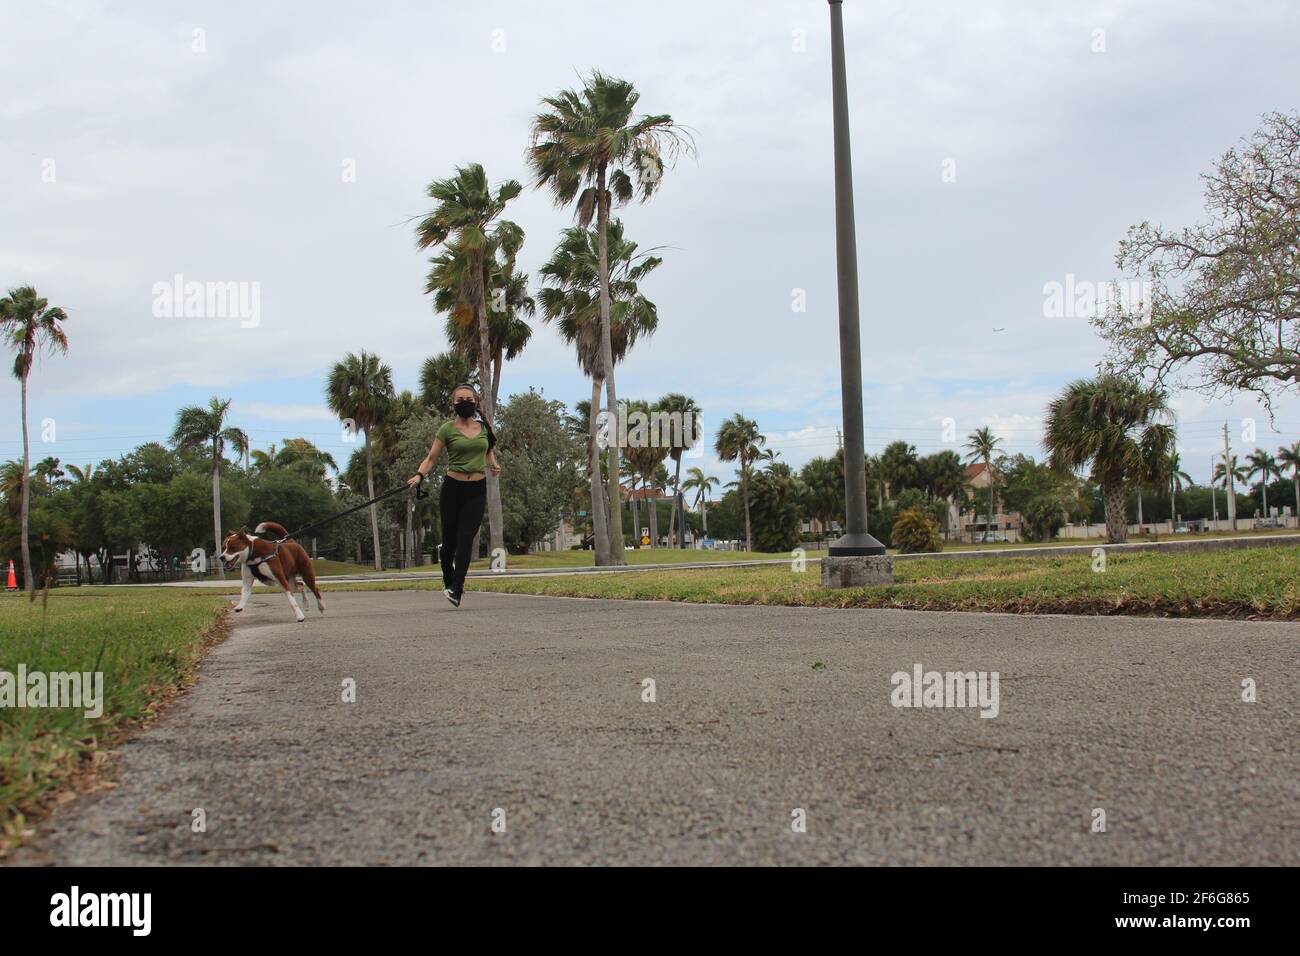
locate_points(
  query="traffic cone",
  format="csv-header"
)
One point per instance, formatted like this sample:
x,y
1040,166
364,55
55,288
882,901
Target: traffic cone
x,y
12,583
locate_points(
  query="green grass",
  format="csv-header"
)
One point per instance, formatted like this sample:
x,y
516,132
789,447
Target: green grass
x,y
1132,539
147,642
1260,583
578,559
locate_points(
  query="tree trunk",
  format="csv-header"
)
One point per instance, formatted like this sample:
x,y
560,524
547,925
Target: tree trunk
x,y
1116,520
488,389
988,470
654,516
679,504
410,533
616,555
599,514
636,512
216,510
29,579
744,491
1140,506
496,378
496,532
374,509
704,514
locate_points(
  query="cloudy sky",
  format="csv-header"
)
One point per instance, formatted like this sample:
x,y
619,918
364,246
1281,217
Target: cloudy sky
x,y
289,146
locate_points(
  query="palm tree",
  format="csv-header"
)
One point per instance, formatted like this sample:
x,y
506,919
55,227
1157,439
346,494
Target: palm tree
x,y
739,440
360,389
872,466
583,424
439,376
29,326
263,460
981,444
644,460
81,474
587,149
297,454
508,333
466,208
1220,477
507,294
648,463
684,410
824,479
1121,427
701,484
1179,480
1265,465
571,299
198,427
944,477
1290,458
11,487
899,468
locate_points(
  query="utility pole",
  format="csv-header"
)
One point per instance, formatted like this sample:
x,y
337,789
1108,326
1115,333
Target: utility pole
x,y
1214,501
856,541
1229,480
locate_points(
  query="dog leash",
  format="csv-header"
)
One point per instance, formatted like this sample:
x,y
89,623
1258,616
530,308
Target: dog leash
x,y
419,493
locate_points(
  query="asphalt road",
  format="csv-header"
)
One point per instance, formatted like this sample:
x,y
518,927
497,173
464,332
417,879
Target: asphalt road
x,y
533,706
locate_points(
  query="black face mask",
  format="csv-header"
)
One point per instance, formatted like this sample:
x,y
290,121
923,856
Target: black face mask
x,y
465,408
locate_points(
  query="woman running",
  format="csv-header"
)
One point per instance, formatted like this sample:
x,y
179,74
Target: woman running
x,y
471,456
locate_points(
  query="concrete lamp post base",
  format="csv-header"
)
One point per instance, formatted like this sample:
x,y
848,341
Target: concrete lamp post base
x,y
857,571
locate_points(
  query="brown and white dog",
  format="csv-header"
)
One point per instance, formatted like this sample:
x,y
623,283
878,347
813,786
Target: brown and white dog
x,y
271,563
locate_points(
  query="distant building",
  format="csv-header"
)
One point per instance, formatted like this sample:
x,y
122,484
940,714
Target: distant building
x,y
976,523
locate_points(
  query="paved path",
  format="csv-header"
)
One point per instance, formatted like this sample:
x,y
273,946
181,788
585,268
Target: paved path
x,y
533,705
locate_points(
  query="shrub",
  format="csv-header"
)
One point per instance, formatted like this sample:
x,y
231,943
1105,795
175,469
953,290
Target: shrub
x,y
914,531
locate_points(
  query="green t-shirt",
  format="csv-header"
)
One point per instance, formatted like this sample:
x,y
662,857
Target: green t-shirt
x,y
467,455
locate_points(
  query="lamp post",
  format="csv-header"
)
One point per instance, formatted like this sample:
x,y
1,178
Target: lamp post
x,y
855,540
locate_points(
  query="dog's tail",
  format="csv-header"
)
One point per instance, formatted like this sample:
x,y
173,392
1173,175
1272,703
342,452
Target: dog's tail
x,y
270,527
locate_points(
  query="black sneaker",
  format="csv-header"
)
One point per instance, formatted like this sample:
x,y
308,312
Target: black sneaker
x,y
452,597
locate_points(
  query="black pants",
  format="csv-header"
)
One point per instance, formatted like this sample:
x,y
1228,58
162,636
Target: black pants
x,y
461,504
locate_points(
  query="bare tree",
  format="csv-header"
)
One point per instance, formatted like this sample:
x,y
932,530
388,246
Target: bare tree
x,y
1221,299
